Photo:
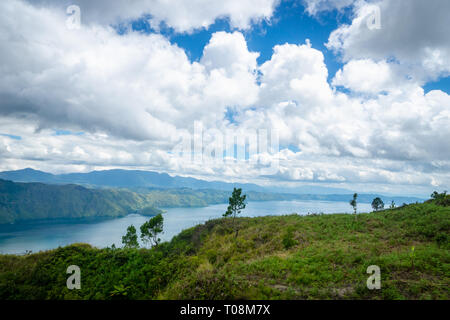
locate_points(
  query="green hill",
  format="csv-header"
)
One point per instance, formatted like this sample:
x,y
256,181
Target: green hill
x,y
274,257
30,201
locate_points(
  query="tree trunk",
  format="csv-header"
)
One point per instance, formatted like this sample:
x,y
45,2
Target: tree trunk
x,y
234,225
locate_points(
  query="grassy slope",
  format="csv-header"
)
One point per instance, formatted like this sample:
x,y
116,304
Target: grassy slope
x,y
285,257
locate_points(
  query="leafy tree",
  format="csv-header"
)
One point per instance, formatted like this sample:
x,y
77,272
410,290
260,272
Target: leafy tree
x,y
236,203
436,195
353,202
441,199
130,240
151,229
377,204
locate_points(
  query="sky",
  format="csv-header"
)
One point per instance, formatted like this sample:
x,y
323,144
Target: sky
x,y
350,94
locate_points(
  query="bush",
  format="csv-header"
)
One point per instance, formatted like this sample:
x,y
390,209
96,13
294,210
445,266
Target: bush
x,y
288,240
441,199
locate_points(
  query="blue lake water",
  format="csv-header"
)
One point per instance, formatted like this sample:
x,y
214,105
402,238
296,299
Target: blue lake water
x,y
44,235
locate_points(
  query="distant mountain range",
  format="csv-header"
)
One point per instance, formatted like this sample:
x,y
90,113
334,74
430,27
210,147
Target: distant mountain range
x,y
113,193
138,178
144,181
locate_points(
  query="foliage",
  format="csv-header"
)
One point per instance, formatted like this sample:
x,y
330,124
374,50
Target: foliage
x,y
130,240
288,239
353,202
236,203
30,201
412,255
151,229
377,204
119,291
328,261
441,199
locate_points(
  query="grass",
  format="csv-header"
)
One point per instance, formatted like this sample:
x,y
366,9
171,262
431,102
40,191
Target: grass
x,y
274,257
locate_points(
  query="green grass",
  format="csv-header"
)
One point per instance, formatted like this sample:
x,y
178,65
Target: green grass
x,y
274,257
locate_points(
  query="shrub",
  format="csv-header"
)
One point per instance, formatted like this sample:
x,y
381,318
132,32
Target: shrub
x,y
288,240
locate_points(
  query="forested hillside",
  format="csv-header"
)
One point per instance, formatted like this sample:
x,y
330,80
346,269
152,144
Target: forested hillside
x,y
29,201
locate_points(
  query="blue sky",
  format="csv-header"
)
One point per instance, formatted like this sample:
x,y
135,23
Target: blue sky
x,y
290,24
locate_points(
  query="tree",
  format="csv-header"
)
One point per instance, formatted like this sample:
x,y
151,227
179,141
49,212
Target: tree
x,y
392,206
377,204
441,199
437,196
236,203
151,229
130,240
353,202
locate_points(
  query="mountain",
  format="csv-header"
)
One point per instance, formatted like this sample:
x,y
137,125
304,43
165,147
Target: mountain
x,y
137,178
147,180
27,175
21,201
31,201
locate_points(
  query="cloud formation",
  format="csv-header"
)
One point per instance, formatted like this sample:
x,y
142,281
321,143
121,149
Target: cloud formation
x,y
181,15
412,33
134,96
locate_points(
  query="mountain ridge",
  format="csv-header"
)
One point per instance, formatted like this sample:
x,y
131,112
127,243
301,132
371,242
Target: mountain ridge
x,y
120,178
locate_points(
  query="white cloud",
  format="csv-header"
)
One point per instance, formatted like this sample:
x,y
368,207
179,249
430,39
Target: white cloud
x,y
231,68
295,72
313,7
135,86
366,76
181,15
134,95
413,33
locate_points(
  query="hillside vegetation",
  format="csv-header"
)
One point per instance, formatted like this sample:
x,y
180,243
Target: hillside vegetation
x,y
30,201
274,257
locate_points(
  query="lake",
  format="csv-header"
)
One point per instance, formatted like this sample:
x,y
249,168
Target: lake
x,y
100,232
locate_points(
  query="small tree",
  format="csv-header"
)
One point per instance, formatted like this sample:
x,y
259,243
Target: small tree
x,y
441,199
236,205
151,229
353,203
130,240
377,204
392,206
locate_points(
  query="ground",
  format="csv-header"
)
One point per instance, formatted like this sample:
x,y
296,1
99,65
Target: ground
x,y
275,257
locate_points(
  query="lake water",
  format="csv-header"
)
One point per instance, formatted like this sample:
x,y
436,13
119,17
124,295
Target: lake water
x,y
44,235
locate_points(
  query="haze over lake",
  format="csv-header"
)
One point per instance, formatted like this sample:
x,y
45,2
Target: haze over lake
x,y
44,235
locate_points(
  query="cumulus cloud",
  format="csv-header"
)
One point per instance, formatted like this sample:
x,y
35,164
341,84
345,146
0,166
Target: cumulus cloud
x,y
413,33
135,86
181,15
366,76
314,7
134,96
295,73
